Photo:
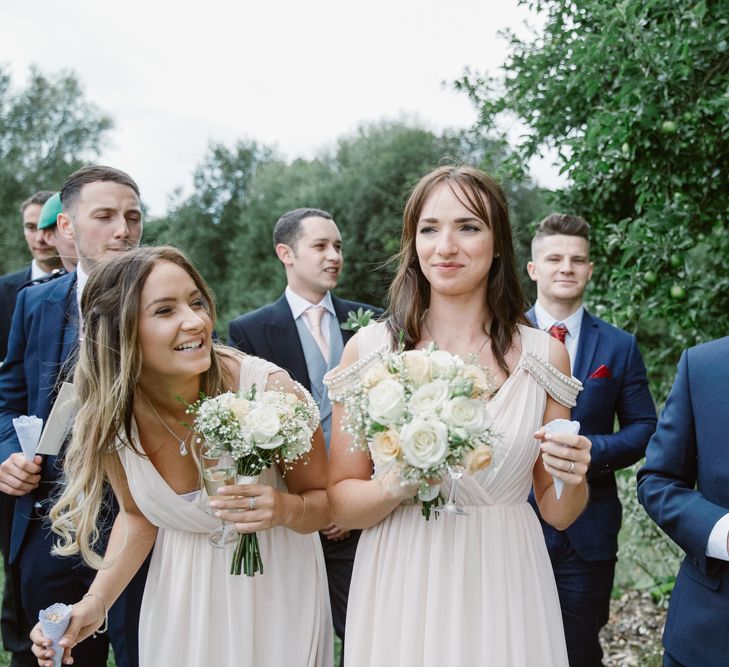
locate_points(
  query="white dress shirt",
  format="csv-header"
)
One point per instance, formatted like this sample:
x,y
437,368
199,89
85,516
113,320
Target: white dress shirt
x,y
573,322
81,279
36,271
298,305
717,545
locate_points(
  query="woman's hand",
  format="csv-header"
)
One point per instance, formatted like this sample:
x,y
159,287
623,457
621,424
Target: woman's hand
x,y
392,486
254,507
565,456
87,616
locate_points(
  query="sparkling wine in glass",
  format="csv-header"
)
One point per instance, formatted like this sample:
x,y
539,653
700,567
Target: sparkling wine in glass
x,y
455,472
217,472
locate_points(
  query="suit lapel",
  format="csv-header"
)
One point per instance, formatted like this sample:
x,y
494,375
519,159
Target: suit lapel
x,y
59,328
589,337
284,343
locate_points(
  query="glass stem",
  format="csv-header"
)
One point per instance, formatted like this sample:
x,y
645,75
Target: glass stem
x,y
452,492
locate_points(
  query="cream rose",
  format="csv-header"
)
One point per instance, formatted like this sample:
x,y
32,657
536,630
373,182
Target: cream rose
x,y
480,378
444,363
386,402
478,459
429,398
263,425
385,446
240,407
375,375
467,413
424,443
418,366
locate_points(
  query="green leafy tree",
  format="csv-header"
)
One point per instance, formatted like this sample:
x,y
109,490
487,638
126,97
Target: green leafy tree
x,y
226,225
633,95
47,130
208,224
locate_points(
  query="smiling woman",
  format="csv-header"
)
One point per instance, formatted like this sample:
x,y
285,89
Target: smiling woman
x,y
147,351
475,587
175,329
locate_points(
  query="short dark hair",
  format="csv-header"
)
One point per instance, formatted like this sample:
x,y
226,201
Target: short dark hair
x,y
72,187
40,197
563,223
288,227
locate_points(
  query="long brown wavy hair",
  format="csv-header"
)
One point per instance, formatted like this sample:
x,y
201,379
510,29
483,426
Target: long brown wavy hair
x,y
409,294
106,376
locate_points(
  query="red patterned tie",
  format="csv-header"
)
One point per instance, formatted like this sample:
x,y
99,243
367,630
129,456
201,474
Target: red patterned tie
x,y
559,331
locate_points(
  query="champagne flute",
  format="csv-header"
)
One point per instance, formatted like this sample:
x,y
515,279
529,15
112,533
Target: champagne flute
x,y
455,472
217,472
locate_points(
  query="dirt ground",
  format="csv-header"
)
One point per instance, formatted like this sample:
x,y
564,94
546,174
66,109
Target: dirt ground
x,y
632,637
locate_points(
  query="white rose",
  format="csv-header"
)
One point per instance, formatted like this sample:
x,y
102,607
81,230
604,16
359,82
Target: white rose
x,y
386,402
385,446
478,459
418,366
480,378
240,407
376,374
429,398
263,426
467,413
424,443
444,363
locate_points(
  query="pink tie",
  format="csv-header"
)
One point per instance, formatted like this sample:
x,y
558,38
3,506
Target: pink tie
x,y
313,316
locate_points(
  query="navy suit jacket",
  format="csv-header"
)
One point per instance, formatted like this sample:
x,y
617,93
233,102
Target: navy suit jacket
x,y
684,486
625,395
270,333
43,333
9,286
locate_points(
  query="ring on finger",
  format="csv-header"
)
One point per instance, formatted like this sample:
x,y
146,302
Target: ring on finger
x,y
572,468
252,503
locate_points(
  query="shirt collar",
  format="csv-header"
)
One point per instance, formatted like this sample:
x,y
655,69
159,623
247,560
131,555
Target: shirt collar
x,y
545,321
81,280
298,304
36,271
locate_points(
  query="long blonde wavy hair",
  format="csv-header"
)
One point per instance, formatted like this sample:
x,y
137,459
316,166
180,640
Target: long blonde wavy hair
x,y
106,375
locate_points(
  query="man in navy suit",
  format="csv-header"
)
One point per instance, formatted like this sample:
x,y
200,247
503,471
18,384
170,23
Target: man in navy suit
x,y
608,363
301,333
102,213
45,260
684,486
15,628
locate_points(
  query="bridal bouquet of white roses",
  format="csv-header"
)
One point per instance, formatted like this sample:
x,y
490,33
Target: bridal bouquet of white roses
x,y
258,429
420,413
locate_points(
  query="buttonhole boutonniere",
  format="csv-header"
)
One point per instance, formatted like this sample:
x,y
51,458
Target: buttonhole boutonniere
x,y
357,319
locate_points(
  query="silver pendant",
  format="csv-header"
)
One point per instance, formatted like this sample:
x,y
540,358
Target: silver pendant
x,y
183,448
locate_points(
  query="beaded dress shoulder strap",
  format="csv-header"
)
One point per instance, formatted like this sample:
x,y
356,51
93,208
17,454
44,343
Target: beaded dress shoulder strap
x,y
562,388
340,383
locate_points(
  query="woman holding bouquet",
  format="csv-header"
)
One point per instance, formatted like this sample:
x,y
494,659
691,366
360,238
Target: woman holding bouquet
x,y
475,589
148,351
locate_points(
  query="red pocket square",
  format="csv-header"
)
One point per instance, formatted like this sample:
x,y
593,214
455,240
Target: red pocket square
x,y
602,372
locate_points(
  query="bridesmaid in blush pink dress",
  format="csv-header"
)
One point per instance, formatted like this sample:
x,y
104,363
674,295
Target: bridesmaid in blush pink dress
x,y
477,589
148,322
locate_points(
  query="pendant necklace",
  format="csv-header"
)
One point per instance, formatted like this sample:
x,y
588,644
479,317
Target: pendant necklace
x,y
475,356
182,442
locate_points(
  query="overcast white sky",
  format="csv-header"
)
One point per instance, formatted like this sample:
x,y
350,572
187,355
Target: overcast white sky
x,y
293,74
